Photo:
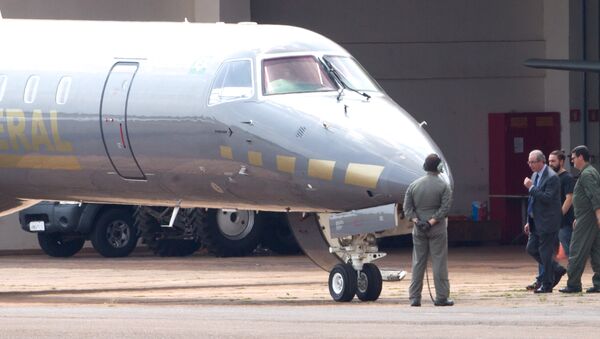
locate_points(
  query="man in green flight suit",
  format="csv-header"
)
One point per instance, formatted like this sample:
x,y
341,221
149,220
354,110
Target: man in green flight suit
x,y
585,241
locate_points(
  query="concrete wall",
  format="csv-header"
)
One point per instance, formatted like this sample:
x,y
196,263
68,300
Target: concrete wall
x,y
447,62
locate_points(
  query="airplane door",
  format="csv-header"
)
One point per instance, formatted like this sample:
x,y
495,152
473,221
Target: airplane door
x,y
113,120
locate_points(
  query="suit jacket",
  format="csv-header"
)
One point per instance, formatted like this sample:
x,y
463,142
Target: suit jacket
x,y
547,213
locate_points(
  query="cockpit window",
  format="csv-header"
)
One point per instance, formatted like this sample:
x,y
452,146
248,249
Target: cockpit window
x,y
295,75
352,74
233,82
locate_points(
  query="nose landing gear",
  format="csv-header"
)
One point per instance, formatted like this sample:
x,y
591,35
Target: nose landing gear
x,y
351,272
358,275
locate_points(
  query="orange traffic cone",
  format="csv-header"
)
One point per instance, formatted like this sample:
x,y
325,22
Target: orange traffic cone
x,y
561,253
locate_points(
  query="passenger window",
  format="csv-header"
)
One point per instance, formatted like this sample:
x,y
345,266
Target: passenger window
x,y
62,91
3,81
31,89
233,82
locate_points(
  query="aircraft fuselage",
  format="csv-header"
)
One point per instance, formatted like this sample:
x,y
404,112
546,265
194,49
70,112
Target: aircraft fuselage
x,y
204,115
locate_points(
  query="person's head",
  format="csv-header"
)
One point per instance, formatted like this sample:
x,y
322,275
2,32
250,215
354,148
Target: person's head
x,y
556,160
536,160
433,163
580,156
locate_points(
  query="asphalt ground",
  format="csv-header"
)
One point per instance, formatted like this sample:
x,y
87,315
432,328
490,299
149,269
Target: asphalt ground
x,y
277,296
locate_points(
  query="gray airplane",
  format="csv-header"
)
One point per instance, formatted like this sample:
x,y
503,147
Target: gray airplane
x,y
206,127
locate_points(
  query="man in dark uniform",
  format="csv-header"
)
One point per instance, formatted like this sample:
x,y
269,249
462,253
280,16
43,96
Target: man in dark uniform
x,y
585,241
543,219
426,204
556,161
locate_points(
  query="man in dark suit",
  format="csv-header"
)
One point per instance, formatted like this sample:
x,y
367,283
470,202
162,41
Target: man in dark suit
x,y
544,217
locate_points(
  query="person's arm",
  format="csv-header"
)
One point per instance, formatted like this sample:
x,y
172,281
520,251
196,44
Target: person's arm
x,y
409,205
442,212
591,186
567,204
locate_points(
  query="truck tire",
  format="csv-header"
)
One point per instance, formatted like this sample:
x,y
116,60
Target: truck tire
x,y
114,234
278,236
156,237
60,245
230,234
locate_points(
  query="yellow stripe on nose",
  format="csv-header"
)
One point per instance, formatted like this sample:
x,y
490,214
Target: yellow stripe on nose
x,y
40,162
321,169
226,152
286,164
363,175
255,158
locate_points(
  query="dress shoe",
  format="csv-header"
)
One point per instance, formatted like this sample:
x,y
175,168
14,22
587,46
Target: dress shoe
x,y
415,303
558,274
594,289
533,286
570,290
446,302
543,290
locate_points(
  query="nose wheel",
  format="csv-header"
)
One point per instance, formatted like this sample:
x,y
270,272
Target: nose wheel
x,y
345,282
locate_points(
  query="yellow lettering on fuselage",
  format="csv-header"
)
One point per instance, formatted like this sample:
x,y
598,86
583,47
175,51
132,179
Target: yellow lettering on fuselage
x,y
61,146
16,125
29,147
39,134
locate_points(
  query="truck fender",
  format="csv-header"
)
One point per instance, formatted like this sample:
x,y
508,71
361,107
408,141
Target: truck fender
x,y
88,218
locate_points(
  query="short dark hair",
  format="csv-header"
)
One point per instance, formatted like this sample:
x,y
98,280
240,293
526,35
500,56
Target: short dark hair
x,y
560,154
432,162
583,151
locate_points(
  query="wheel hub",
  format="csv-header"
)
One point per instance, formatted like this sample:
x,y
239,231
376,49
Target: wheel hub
x,y
118,234
362,283
235,225
337,283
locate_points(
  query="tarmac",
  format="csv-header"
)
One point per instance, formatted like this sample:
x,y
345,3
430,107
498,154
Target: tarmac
x,y
277,296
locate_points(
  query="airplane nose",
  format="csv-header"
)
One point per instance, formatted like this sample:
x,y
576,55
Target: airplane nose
x,y
403,144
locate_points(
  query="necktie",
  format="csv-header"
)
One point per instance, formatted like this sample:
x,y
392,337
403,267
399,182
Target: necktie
x,y
530,202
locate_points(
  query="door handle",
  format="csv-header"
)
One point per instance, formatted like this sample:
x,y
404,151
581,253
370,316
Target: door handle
x,y
249,122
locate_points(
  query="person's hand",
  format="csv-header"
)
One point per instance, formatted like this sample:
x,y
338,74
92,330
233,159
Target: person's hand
x,y
526,229
574,223
413,222
432,221
527,182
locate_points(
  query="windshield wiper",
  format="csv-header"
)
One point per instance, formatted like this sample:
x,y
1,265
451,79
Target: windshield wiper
x,y
338,77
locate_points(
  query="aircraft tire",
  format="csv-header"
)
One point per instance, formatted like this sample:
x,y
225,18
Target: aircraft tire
x,y
278,236
369,283
114,234
57,245
150,229
217,242
342,282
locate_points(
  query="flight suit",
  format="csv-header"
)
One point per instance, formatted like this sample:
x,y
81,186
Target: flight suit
x,y
585,241
429,197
